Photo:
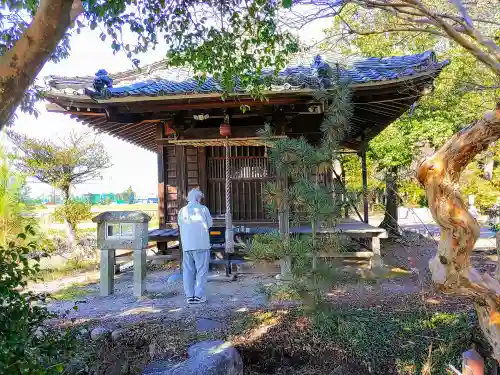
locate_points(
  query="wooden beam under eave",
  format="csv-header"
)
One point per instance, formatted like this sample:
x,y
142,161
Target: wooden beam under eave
x,y
54,108
134,131
145,137
123,128
95,121
150,145
84,113
110,126
143,140
156,107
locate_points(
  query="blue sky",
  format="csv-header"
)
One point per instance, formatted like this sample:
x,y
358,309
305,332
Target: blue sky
x,y
132,166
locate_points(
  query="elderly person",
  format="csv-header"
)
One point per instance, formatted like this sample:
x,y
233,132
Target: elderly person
x,y
194,224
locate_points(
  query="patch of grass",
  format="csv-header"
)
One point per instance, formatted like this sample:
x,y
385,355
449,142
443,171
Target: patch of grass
x,y
280,292
154,224
71,292
400,342
361,341
70,268
247,322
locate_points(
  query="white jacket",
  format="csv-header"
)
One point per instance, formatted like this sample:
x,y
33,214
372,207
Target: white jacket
x,y
195,222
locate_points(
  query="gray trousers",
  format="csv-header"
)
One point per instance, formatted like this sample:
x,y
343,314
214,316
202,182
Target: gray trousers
x,y
195,272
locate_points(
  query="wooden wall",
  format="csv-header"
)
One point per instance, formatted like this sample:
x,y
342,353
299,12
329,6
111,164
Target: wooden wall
x,y
250,171
187,167
184,168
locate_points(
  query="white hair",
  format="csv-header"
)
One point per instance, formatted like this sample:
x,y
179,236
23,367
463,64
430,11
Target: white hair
x,y
195,196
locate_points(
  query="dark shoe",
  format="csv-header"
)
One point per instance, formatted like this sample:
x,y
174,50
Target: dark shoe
x,y
198,300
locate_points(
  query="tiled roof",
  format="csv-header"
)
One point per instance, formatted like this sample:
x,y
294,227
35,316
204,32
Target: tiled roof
x,y
319,74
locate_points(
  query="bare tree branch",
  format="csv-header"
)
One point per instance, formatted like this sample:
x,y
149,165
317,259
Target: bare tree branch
x,y
443,22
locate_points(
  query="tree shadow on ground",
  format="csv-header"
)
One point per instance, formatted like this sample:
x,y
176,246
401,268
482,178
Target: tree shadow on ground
x,y
359,341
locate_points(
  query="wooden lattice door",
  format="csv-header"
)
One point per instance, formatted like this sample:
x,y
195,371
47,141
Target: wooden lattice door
x,y
250,171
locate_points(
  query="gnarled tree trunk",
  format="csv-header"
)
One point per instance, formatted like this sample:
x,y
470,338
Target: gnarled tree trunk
x,y
390,222
451,269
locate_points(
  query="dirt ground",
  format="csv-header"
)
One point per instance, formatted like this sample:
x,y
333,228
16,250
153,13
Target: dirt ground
x,y
403,284
166,299
163,299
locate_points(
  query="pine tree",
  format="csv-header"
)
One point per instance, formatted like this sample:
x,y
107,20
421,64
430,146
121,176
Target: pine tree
x,y
298,196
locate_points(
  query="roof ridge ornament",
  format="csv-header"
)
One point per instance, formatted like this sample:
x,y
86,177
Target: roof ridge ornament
x,y
102,80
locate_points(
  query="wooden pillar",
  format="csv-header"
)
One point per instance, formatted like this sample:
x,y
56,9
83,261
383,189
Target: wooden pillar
x,y
365,185
338,191
284,225
202,171
162,176
180,156
345,198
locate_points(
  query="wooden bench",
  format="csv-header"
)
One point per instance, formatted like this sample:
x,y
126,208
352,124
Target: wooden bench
x,y
348,227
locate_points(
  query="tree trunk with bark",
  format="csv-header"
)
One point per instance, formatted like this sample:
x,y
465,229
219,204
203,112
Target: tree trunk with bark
x,y
390,222
20,65
69,227
451,267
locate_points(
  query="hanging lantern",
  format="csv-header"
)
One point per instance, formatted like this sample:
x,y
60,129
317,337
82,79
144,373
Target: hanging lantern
x,y
225,127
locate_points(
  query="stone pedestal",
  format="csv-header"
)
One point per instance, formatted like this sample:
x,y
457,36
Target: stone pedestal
x,y
376,261
286,269
139,272
107,281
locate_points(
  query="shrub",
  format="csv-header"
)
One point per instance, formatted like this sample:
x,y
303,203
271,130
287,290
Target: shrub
x,y
73,212
15,211
26,346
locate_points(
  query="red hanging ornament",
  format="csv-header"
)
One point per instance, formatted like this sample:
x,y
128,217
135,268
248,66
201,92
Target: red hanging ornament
x,y
225,127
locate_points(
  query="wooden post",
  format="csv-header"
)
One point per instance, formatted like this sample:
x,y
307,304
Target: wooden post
x,y
365,186
107,273
180,156
472,363
338,195
284,225
229,216
345,198
162,177
202,170
139,272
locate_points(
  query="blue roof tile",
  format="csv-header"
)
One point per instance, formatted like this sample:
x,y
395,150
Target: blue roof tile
x,y
318,75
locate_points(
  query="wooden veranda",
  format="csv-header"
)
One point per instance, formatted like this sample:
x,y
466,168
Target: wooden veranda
x,y
179,120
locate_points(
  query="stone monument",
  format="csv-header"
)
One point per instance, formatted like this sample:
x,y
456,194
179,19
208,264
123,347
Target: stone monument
x,y
122,230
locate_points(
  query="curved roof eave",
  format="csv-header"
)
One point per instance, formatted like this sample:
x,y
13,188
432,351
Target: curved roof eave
x,y
201,97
